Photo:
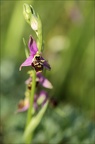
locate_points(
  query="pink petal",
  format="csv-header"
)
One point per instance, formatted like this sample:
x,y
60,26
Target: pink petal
x,y
32,46
45,64
23,109
46,83
27,62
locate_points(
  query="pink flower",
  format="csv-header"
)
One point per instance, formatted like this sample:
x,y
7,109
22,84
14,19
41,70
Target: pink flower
x,y
39,99
40,79
35,59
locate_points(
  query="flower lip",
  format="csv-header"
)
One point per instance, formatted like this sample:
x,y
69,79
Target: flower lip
x,y
37,63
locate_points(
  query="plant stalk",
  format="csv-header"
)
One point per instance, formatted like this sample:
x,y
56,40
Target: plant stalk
x,y
29,115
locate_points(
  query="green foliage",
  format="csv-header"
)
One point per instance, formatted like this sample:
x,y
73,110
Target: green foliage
x,y
35,121
68,31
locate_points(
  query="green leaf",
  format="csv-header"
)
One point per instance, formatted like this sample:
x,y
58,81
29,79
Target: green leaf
x,y
35,121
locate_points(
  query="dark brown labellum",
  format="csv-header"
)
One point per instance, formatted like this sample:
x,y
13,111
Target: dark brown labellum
x,y
21,104
29,86
37,63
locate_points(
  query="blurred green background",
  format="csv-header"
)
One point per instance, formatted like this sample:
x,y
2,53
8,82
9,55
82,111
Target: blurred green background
x,y
68,32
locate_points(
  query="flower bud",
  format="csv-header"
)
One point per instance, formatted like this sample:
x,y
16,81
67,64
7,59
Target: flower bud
x,y
31,17
27,12
34,23
43,97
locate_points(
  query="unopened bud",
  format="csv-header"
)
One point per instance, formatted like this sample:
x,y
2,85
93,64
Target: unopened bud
x,y
40,100
27,12
34,23
30,16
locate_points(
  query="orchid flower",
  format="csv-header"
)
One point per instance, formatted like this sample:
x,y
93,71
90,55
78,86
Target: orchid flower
x,y
40,79
35,59
23,105
39,99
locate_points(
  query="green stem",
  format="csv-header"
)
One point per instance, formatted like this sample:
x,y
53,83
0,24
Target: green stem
x,y
39,42
29,115
39,34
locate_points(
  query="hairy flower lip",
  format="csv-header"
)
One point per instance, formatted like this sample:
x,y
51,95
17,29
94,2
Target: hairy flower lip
x,y
32,60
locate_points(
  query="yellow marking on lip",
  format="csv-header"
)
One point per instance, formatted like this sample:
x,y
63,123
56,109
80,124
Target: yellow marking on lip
x,y
39,66
42,60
